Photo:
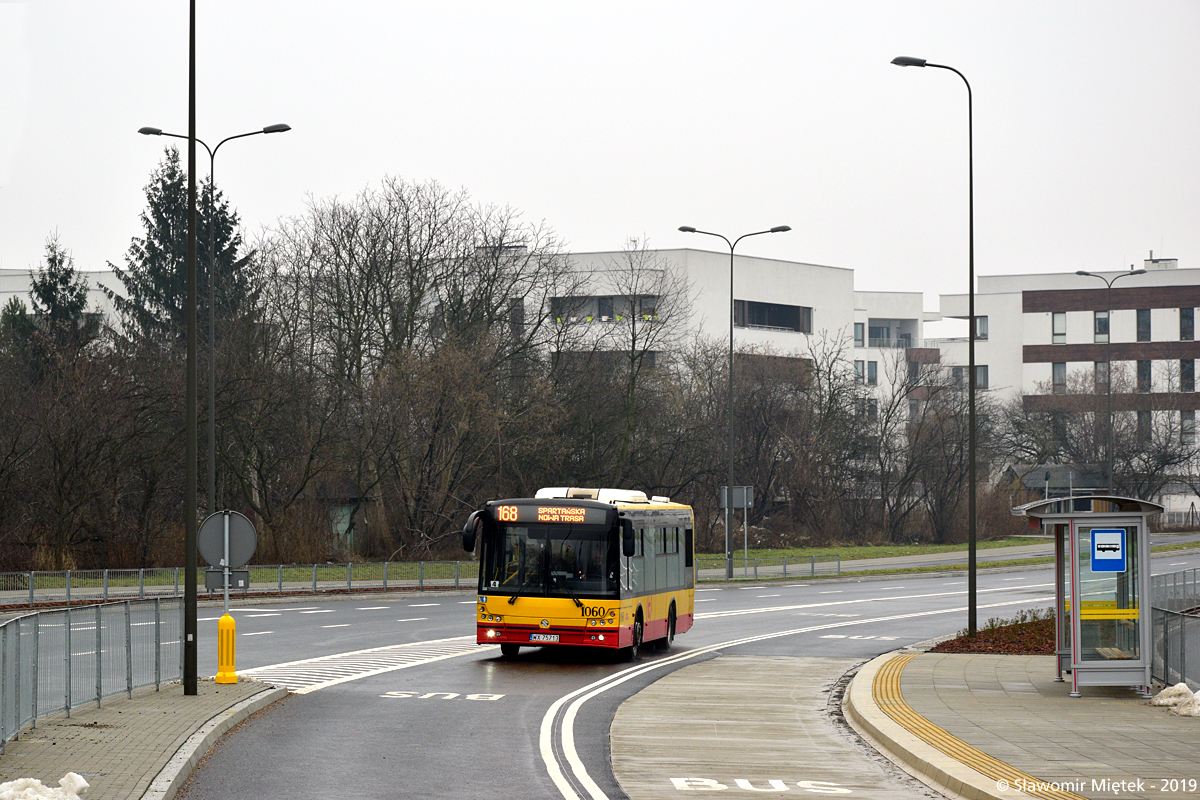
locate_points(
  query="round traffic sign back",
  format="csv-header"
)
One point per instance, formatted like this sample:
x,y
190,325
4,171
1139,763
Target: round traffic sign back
x,y
243,541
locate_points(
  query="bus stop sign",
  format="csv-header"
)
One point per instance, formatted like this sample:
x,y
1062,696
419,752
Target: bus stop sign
x,y
1108,550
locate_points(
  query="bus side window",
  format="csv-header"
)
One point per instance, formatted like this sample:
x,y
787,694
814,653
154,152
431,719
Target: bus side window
x,y
687,547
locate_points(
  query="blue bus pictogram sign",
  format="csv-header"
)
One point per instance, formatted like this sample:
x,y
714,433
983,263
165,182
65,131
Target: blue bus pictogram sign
x,y
1108,550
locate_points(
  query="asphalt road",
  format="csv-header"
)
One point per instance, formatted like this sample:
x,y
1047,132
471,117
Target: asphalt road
x,y
396,700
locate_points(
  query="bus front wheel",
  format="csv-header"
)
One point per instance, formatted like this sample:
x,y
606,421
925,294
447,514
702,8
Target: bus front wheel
x,y
632,651
509,650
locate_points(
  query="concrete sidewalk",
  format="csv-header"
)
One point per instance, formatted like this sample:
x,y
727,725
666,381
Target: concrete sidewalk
x,y
988,726
128,749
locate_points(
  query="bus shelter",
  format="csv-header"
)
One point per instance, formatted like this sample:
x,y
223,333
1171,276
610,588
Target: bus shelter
x,y
1101,587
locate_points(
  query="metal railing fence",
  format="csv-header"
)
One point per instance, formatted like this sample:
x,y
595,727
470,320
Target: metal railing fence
x,y
712,567
103,585
1175,621
52,661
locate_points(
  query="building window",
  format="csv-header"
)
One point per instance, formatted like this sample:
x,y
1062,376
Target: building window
x,y
872,373
1187,324
914,410
956,376
1187,375
1143,375
879,336
859,334
1058,372
981,376
1143,426
914,372
648,307
604,308
981,327
1100,326
772,316
1187,427
1101,376
872,410
858,370
1060,327
1143,324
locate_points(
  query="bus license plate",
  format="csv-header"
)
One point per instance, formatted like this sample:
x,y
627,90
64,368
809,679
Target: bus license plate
x,y
543,637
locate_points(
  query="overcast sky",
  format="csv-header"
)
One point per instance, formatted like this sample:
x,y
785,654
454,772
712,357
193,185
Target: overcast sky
x,y
616,120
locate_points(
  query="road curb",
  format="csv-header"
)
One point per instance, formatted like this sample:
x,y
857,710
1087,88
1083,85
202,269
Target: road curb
x,y
179,768
912,754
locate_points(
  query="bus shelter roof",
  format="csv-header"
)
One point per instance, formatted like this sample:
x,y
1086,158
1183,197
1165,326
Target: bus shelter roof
x,y
1085,505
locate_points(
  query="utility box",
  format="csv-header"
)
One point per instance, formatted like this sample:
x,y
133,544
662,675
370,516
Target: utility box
x,y
1101,587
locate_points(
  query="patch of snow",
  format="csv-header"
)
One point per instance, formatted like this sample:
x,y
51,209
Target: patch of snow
x,y
1172,695
1188,708
72,787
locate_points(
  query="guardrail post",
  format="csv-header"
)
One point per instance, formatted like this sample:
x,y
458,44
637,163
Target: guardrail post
x,y
456,574
812,566
99,650
141,584
839,564
68,588
177,581
785,566
157,644
756,568
4,692
129,651
420,575
31,574
281,580
385,566
105,586
67,658
349,567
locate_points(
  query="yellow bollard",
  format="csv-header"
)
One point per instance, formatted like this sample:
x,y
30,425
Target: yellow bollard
x,y
225,650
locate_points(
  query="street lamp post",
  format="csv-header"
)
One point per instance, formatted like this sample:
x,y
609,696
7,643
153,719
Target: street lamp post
x,y
908,61
1108,443
212,313
729,413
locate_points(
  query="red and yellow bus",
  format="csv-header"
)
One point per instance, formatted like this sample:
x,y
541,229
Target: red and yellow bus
x,y
607,568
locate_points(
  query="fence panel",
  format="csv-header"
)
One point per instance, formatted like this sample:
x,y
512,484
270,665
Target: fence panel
x,y
54,661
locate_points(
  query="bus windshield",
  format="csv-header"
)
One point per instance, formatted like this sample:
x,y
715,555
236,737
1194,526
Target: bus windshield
x,y
552,561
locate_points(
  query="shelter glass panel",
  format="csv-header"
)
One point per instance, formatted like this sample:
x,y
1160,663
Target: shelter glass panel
x,y
1109,618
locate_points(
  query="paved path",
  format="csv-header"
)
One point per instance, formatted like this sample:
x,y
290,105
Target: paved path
x,y
133,748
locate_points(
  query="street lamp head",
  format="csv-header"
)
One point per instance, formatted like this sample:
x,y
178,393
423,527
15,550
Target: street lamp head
x,y
687,229
148,131
1137,272
908,61
1084,272
781,229
280,128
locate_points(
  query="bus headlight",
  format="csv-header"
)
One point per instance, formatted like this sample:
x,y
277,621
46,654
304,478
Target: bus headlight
x,y
592,622
491,634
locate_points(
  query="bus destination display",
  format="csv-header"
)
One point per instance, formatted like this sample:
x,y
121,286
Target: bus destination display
x,y
559,515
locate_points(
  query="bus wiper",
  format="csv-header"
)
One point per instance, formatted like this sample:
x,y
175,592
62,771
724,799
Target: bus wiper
x,y
517,593
563,583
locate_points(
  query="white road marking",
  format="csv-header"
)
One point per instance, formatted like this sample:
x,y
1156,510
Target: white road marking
x,y
341,625
422,605
954,583
709,590
248,616
258,633
321,611
1006,579
466,602
831,591
761,596
706,600
311,674
201,619
827,603
1176,563
372,608
413,619
566,731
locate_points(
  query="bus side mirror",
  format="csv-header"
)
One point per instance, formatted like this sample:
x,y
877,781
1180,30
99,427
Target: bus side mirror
x,y
628,543
469,531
